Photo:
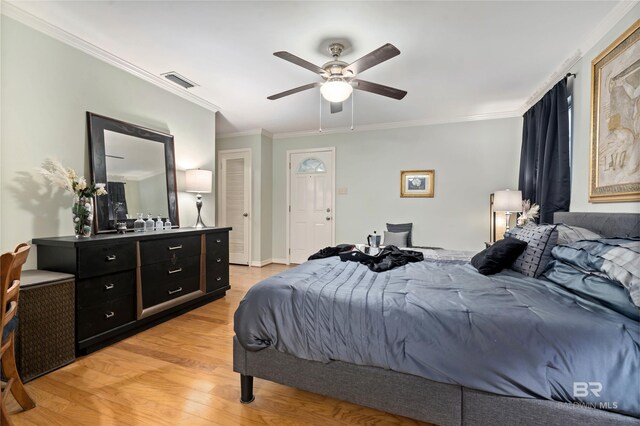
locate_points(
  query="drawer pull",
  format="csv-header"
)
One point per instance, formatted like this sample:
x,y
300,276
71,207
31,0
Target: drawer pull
x,y
108,286
109,315
218,260
111,257
176,247
218,241
177,290
175,271
219,279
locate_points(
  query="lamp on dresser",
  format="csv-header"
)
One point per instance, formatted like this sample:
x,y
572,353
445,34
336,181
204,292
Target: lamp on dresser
x,y
199,181
507,201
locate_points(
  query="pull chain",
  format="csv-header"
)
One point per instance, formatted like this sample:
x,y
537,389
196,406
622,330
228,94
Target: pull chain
x,y
353,98
320,127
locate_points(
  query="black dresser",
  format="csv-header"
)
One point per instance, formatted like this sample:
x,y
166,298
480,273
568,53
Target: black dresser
x,y
126,283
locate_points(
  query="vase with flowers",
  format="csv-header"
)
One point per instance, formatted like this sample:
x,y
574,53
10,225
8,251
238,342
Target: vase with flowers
x,y
83,194
529,213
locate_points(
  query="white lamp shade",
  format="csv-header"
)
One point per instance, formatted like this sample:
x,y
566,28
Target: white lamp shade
x,y
507,201
336,90
198,180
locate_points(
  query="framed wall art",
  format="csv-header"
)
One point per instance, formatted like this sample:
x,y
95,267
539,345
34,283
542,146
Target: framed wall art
x,y
615,121
417,183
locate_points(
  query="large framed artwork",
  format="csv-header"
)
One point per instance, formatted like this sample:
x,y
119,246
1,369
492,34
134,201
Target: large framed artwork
x,y
615,121
417,183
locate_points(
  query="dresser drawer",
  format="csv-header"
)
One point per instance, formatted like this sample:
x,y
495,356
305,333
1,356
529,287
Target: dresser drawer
x,y
106,259
170,270
218,245
97,290
170,248
104,317
217,276
156,292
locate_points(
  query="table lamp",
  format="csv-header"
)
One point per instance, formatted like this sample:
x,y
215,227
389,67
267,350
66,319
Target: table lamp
x,y
199,181
508,202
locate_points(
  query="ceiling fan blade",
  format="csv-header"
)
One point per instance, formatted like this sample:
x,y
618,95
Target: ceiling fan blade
x,y
336,107
379,55
292,91
300,62
378,89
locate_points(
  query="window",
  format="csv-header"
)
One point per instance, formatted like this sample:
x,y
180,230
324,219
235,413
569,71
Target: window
x,y
311,165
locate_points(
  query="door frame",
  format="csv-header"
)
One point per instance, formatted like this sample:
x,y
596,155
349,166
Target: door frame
x,y
222,203
332,150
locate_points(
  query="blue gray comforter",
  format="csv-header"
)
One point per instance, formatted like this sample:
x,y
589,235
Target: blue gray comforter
x,y
506,334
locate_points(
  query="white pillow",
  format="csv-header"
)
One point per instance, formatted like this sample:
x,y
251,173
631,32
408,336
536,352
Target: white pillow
x,y
398,239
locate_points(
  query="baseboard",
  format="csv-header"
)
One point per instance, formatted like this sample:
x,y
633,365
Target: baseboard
x,y
280,261
261,263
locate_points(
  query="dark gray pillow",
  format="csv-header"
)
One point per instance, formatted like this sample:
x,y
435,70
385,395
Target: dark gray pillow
x,y
402,227
398,239
541,239
569,234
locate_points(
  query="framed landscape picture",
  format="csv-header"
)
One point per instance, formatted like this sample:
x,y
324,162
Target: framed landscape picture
x,y
416,183
615,121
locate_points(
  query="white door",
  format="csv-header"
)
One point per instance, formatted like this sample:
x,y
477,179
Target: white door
x,y
234,189
311,217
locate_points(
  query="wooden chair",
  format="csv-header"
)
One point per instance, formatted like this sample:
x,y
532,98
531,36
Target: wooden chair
x,y
11,268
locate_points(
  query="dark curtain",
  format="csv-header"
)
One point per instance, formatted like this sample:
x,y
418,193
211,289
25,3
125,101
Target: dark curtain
x,y
545,175
116,195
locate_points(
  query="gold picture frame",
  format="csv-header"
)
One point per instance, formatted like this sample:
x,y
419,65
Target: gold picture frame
x,y
417,183
615,131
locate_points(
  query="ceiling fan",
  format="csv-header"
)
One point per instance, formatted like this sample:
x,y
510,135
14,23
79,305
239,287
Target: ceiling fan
x,y
340,77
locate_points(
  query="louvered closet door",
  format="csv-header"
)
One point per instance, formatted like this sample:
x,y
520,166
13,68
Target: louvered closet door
x,y
235,194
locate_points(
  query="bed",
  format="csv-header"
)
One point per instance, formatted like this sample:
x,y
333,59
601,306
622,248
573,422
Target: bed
x,y
471,392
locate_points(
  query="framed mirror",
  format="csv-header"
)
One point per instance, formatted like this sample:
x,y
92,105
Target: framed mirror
x,y
138,166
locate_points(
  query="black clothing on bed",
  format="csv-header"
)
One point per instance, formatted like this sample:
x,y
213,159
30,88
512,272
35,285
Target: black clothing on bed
x,y
331,251
389,257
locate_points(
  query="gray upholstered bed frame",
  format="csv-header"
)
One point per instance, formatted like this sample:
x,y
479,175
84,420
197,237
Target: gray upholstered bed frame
x,y
426,400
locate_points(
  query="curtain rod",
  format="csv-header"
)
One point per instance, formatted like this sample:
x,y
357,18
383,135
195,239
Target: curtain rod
x,y
570,74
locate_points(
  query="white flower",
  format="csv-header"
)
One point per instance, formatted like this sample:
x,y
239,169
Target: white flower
x,y
81,185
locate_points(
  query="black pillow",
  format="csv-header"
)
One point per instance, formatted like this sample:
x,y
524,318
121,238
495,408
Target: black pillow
x,y
499,256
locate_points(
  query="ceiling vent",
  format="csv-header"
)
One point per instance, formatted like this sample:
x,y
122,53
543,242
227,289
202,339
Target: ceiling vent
x,y
179,80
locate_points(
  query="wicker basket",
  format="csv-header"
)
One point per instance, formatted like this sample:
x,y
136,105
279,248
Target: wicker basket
x,y
45,338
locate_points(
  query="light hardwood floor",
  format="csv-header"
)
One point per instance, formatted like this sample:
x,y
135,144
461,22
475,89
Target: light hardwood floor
x,y
180,373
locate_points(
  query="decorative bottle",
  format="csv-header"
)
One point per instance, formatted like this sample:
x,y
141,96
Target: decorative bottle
x,y
149,223
138,225
159,224
167,224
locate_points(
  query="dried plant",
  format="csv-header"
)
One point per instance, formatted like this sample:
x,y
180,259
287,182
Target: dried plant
x,y
69,180
529,213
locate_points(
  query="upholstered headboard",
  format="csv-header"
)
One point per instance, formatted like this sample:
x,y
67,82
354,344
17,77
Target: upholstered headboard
x,y
605,224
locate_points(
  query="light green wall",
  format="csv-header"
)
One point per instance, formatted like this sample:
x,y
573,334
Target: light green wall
x,y
471,160
260,146
582,125
47,86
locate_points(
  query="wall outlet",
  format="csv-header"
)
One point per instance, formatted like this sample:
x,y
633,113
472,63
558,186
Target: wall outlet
x,y
343,190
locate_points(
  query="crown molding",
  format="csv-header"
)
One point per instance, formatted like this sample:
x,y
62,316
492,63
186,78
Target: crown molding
x,y
398,125
553,78
252,132
608,22
599,32
14,12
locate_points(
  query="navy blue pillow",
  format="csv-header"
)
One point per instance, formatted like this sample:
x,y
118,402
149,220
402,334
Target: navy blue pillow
x,y
499,256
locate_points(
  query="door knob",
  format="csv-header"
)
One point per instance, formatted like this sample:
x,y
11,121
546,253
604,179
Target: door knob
x,y
328,210
245,214
328,218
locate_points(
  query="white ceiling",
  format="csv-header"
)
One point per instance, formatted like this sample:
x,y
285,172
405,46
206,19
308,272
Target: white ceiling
x,y
459,59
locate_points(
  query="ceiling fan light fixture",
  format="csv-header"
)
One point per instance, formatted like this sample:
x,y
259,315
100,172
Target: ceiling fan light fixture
x,y
336,90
